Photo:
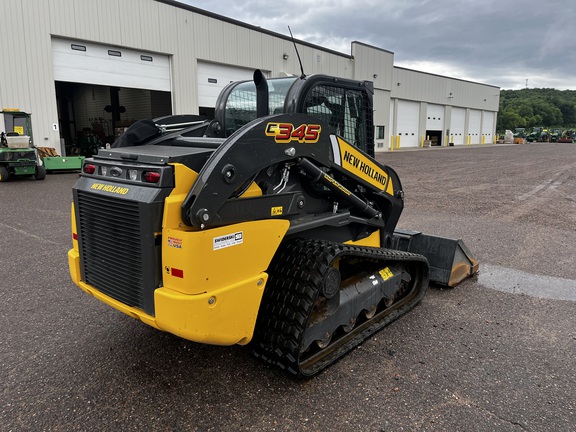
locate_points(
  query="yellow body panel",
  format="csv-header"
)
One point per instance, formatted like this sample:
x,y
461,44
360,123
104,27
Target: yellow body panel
x,y
172,217
252,191
215,293
219,257
74,230
373,240
222,317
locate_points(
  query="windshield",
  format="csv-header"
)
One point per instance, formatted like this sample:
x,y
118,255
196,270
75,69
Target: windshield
x,y
241,103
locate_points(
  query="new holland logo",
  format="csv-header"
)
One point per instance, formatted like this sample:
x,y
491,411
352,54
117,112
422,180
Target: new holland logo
x,y
360,165
110,188
365,167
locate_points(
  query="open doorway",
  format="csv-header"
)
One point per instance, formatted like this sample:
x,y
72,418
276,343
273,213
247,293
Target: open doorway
x,y
435,137
104,111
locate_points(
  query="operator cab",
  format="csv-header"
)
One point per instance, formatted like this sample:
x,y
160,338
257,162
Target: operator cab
x,y
344,104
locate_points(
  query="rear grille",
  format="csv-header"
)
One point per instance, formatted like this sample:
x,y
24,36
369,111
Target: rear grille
x,y
110,233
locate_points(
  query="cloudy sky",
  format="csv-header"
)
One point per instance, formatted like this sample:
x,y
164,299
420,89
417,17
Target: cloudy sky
x,y
497,42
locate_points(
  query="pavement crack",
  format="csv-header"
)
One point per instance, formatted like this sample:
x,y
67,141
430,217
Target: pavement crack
x,y
458,400
27,234
505,420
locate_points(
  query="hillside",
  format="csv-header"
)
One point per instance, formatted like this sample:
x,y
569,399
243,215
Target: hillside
x,y
529,108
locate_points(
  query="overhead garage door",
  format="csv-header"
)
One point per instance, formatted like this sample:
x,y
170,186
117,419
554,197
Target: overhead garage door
x,y
487,127
474,120
90,63
212,78
389,135
435,117
407,123
457,122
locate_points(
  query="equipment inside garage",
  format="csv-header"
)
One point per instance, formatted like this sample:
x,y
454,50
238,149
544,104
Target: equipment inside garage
x,y
92,115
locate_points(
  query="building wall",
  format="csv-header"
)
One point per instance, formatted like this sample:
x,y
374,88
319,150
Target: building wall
x,y
421,86
376,65
477,99
25,68
188,35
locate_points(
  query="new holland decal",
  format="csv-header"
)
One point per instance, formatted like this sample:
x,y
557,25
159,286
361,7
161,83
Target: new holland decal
x,y
285,133
355,162
110,188
362,165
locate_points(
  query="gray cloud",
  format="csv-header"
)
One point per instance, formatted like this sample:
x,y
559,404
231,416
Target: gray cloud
x,y
496,42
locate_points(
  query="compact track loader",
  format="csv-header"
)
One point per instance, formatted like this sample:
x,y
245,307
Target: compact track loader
x,y
270,225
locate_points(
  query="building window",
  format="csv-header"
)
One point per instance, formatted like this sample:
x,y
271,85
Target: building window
x,y
380,132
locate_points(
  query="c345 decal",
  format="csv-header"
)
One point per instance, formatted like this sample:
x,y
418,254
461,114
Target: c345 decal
x,y
285,133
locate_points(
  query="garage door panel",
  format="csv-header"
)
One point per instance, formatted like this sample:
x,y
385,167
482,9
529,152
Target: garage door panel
x,y
487,127
474,121
213,77
457,123
435,117
93,64
407,124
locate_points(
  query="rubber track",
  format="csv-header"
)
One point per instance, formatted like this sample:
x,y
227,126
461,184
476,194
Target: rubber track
x,y
295,275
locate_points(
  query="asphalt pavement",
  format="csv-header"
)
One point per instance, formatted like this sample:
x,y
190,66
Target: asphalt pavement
x,y
497,353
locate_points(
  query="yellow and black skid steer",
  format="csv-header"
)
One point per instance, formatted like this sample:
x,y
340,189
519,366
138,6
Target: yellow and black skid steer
x,y
270,225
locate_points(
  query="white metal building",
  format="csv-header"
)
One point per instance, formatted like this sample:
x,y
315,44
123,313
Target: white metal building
x,y
77,64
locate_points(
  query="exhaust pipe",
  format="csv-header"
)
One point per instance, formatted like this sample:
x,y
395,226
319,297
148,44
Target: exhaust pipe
x,y
262,108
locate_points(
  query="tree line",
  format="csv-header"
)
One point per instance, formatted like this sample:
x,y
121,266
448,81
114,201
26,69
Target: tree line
x,y
528,108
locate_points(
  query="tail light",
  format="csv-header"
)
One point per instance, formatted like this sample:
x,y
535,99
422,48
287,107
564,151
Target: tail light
x,y
151,176
89,168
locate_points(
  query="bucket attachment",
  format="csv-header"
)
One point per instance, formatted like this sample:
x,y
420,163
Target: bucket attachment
x,y
450,260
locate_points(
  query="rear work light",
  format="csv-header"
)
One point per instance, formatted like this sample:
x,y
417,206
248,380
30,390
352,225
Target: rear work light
x,y
151,176
89,168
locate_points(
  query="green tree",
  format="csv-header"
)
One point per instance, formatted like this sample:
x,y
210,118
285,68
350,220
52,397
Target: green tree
x,y
529,108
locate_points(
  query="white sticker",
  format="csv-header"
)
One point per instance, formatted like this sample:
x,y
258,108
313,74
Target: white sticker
x,y
227,240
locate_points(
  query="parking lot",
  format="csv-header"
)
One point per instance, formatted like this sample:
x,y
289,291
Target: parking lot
x,y
497,353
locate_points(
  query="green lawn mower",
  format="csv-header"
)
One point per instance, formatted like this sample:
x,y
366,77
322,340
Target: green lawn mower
x,y
18,157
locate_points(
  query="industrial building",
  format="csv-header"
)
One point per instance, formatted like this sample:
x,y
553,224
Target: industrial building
x,y
85,65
